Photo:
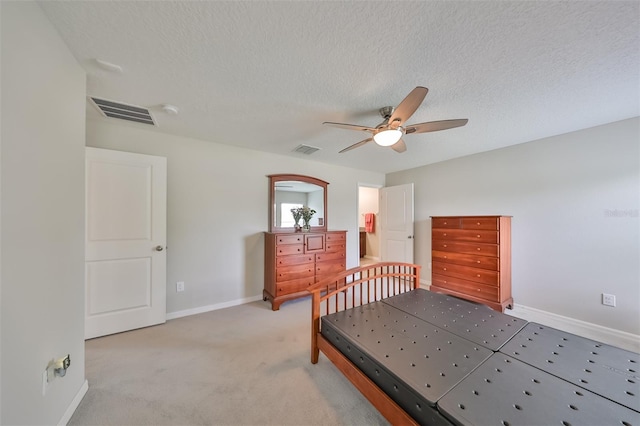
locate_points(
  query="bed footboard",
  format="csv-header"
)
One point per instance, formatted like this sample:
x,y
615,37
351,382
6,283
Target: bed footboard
x,y
356,287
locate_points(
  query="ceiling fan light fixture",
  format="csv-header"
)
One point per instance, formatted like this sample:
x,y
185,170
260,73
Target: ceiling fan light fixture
x,y
387,137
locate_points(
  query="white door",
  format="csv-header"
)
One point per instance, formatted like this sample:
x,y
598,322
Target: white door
x,y
396,223
125,242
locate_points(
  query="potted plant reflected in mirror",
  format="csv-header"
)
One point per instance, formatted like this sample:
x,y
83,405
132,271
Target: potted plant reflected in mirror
x,y
297,215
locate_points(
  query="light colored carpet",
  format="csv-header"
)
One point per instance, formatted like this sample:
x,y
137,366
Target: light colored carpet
x,y
244,365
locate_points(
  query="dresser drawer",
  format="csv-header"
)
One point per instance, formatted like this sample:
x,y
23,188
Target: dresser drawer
x,y
286,273
314,243
475,289
445,222
336,247
466,248
294,260
483,276
285,250
336,237
289,239
489,223
484,262
480,236
330,267
293,286
321,257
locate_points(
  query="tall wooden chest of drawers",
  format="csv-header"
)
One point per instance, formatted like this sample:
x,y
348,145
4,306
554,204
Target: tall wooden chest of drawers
x,y
471,258
294,261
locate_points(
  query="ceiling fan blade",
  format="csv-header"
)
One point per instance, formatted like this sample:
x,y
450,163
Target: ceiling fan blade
x,y
356,145
434,126
350,126
408,106
399,146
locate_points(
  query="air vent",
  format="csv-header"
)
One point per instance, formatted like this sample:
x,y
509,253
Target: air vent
x,y
123,111
306,149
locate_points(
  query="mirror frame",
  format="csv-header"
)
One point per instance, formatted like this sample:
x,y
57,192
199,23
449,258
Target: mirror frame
x,y
272,199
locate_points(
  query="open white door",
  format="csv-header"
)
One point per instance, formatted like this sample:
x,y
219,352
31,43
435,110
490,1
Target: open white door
x,y
125,242
396,223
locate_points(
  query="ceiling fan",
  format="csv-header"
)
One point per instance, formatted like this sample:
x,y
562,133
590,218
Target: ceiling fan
x,y
390,131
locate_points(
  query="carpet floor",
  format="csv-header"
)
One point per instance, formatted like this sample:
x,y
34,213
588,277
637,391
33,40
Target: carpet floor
x,y
244,365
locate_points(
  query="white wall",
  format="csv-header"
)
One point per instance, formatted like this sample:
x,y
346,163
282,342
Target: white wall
x,y
575,202
218,207
42,216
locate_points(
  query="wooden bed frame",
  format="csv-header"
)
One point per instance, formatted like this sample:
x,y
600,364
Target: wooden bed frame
x,y
356,287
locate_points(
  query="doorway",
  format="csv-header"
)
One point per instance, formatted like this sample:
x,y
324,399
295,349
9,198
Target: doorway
x,y
368,207
385,221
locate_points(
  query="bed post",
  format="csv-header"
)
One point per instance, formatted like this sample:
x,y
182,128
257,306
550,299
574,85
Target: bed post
x,y
315,325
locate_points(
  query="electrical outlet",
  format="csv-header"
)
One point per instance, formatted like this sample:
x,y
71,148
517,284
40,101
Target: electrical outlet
x,y
180,286
609,299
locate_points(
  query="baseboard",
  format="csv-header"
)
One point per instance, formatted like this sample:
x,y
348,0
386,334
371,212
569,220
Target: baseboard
x,y
74,404
589,330
610,336
208,308
374,258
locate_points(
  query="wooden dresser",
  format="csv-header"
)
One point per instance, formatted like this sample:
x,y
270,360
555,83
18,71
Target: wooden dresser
x,y
295,260
471,258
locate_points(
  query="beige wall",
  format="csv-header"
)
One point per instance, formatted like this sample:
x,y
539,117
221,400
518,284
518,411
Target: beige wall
x,y
575,201
217,210
42,217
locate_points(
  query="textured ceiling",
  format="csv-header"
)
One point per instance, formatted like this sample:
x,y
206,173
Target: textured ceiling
x,y
265,74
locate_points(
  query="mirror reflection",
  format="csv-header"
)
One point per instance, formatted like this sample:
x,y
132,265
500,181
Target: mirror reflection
x,y
290,194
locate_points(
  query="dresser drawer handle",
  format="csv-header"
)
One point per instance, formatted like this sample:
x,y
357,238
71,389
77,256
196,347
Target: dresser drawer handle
x,y
444,269
478,249
478,223
478,275
444,234
478,236
444,245
478,289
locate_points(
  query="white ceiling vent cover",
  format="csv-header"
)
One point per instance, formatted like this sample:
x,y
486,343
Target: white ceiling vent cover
x,y
123,111
306,149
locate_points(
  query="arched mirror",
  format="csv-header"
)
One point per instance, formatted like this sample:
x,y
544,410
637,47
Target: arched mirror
x,y
287,191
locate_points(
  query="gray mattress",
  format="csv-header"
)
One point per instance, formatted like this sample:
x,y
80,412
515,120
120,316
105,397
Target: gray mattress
x,y
445,360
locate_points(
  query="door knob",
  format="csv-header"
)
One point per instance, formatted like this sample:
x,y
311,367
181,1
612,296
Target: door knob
x,y
159,248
